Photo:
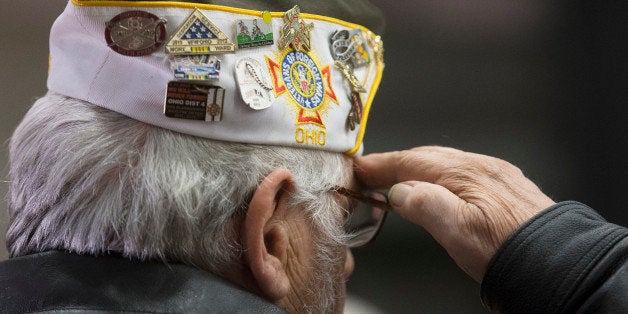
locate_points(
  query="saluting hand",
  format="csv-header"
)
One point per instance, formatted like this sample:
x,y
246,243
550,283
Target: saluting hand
x,y
469,203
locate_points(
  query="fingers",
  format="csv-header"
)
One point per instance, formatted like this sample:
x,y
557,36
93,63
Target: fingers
x,y
426,163
429,205
469,203
378,171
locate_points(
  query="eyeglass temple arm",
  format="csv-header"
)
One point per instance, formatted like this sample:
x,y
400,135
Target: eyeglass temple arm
x,y
363,198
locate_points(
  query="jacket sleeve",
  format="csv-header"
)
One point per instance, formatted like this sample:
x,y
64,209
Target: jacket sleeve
x,y
565,259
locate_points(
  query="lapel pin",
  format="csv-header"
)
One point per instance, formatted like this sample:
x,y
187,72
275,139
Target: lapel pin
x,y
135,33
347,70
253,33
355,113
194,101
198,35
256,88
377,44
348,46
295,32
195,67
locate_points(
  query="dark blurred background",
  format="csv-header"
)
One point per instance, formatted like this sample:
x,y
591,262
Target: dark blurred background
x,y
539,83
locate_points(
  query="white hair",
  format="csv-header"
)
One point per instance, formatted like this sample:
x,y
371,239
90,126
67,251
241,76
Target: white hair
x,y
89,180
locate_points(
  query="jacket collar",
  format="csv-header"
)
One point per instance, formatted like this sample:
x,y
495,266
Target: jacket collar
x,y
57,280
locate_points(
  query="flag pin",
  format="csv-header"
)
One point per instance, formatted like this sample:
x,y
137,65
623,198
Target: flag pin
x,y
198,35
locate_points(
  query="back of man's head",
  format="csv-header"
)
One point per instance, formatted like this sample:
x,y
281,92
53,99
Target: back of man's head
x,y
105,163
88,180
99,182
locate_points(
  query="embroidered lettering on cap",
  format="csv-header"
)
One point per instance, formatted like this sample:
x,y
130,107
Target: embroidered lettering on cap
x,y
307,86
310,136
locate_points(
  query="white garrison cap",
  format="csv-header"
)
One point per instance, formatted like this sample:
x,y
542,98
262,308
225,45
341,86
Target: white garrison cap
x,y
224,73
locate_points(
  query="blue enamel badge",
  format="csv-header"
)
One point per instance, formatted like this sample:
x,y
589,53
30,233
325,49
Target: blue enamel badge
x,y
303,79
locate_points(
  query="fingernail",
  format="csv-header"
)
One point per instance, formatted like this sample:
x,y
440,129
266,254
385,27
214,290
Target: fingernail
x,y
398,193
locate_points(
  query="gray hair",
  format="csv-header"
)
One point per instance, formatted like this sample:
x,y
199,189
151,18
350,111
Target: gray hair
x,y
89,180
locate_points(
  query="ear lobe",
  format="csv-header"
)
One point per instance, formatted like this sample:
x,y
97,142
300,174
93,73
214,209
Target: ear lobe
x,y
265,240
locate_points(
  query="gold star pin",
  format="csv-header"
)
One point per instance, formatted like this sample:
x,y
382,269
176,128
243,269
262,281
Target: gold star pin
x,y
295,32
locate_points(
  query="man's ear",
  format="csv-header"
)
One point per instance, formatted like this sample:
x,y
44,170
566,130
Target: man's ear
x,y
265,237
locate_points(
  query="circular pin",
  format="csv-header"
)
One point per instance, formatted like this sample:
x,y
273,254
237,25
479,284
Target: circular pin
x,y
135,33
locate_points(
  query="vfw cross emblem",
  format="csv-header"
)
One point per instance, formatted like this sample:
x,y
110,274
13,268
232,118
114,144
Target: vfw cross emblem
x,y
307,86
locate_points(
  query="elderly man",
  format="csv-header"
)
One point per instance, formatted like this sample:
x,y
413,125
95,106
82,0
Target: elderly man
x,y
174,147
146,169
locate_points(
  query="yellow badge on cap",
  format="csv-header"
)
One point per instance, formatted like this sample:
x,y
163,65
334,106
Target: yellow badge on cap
x,y
307,86
300,78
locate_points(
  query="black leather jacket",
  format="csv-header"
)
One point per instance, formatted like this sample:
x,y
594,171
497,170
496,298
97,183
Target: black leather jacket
x,y
567,259
62,282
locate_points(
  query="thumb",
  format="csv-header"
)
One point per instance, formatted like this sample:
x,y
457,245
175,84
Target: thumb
x,y
428,205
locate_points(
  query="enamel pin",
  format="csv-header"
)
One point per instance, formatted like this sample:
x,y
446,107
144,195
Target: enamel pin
x,y
378,49
255,85
295,32
135,33
254,33
194,101
347,70
195,67
355,114
216,99
348,46
198,35
360,56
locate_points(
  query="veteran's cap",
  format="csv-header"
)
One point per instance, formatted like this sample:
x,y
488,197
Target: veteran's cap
x,y
260,72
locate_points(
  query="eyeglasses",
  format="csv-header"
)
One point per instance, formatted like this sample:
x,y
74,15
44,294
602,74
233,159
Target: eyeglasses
x,y
366,217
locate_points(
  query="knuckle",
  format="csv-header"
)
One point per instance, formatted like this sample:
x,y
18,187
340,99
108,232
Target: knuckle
x,y
438,150
495,168
501,168
492,170
465,167
424,148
